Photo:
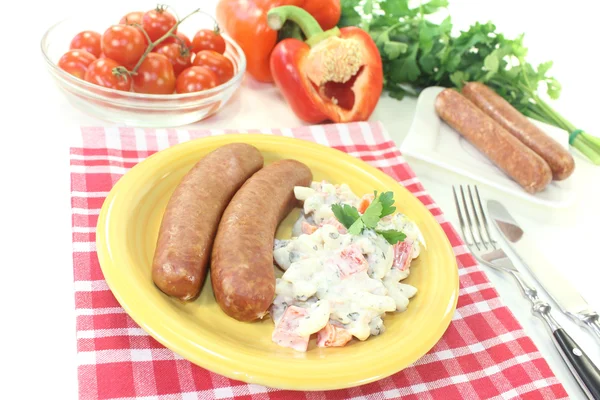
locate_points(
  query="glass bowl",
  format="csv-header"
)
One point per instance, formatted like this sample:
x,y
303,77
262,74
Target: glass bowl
x,y
135,109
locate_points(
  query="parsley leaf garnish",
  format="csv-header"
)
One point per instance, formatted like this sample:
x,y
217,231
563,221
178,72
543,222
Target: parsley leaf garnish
x,y
392,236
357,227
372,214
380,207
387,201
346,214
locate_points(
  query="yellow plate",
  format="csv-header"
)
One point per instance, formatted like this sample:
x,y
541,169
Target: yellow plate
x,y
200,332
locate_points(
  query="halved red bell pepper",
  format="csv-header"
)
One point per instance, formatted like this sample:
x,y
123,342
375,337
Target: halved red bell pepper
x,y
246,22
335,75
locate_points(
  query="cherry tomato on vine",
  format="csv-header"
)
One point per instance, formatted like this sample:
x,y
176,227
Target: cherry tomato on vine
x,y
88,41
196,79
179,56
185,39
155,75
124,44
100,72
76,62
157,22
134,17
208,39
216,62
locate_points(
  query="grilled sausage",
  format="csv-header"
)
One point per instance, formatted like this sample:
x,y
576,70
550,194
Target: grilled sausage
x,y
517,160
192,216
558,158
241,269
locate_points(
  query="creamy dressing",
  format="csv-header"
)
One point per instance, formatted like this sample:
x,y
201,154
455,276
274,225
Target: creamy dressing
x,y
336,282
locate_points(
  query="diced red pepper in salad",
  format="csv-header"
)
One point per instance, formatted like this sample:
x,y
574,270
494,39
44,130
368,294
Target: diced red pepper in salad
x,y
350,262
285,333
308,228
333,336
402,255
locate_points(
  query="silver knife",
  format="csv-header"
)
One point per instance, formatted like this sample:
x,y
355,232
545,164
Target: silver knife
x,y
563,293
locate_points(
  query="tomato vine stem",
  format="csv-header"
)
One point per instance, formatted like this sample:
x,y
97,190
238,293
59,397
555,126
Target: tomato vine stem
x,y
141,28
184,48
151,45
158,41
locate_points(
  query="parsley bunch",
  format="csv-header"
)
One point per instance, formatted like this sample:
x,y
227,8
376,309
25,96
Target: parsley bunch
x,y
380,207
418,53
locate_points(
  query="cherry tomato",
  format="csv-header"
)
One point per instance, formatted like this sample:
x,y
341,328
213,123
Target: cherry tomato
x,y
181,36
134,17
100,72
157,22
124,44
196,79
207,39
155,75
76,62
179,56
88,41
218,63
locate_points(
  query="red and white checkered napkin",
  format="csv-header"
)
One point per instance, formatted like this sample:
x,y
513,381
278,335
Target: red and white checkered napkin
x,y
484,353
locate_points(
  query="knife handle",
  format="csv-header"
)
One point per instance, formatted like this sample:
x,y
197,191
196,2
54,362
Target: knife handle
x,y
582,368
580,364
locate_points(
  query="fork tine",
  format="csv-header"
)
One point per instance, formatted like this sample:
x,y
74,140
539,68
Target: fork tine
x,y
495,258
477,221
485,222
460,217
462,194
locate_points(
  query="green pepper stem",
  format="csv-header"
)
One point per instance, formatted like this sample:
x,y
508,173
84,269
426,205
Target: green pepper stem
x,y
290,30
278,16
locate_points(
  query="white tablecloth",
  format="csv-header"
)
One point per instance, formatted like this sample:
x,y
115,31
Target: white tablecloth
x,y
38,328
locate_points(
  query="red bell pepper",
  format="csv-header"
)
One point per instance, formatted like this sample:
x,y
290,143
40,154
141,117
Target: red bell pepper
x,y
246,22
335,75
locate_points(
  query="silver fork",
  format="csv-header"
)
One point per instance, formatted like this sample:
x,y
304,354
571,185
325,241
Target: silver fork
x,y
488,252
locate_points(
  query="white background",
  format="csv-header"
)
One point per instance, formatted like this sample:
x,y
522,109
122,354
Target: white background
x,y
38,328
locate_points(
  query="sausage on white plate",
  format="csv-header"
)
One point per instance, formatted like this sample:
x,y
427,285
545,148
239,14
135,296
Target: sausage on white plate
x,y
558,158
517,160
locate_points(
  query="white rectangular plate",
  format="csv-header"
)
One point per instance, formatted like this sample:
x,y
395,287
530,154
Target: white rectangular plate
x,y
431,140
